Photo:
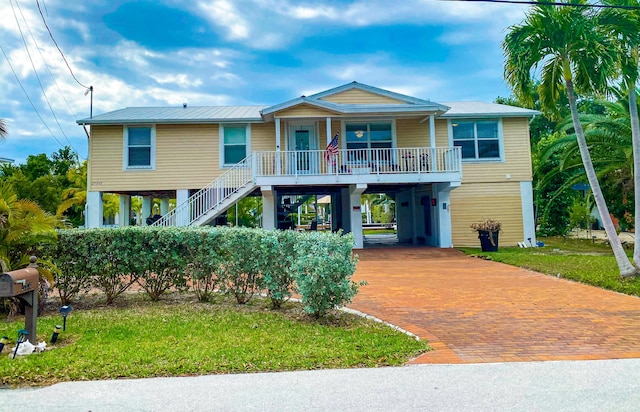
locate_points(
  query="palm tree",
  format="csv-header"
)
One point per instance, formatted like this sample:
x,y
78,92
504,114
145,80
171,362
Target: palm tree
x,y
76,194
23,226
3,129
572,51
623,24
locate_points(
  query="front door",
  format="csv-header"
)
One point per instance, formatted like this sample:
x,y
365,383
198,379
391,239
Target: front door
x,y
302,139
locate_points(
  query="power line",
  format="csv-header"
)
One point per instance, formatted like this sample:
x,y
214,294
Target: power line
x,y
552,3
58,47
46,64
27,95
36,73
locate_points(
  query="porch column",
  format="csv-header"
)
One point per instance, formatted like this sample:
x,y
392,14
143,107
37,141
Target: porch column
x,y
432,131
94,211
528,221
278,139
268,208
124,215
355,195
147,204
164,205
329,165
183,217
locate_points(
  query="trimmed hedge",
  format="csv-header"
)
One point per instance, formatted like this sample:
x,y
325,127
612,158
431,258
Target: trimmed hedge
x,y
237,261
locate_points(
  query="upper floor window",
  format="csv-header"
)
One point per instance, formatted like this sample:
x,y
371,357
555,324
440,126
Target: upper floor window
x,y
235,143
477,139
139,147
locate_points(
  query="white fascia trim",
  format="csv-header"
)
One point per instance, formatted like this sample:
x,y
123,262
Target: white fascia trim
x,y
125,146
221,127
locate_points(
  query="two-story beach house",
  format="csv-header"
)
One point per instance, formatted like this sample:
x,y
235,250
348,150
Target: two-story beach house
x,y
447,164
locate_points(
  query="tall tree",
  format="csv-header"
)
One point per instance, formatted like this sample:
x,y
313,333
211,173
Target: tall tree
x,y
3,129
623,24
572,52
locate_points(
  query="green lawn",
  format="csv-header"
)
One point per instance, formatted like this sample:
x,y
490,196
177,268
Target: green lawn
x,y
175,339
577,259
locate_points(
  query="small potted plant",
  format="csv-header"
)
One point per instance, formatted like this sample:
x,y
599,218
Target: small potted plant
x,y
488,230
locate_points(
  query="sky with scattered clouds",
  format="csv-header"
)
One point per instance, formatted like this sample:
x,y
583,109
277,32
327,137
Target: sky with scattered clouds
x,y
232,52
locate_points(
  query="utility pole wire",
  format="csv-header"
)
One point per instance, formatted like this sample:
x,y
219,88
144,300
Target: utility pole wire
x,y
553,3
27,95
58,47
36,73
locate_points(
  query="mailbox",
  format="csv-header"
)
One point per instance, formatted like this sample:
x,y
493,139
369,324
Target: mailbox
x,y
24,285
18,282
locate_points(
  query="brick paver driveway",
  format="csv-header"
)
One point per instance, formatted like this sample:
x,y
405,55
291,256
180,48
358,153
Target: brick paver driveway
x,y
471,310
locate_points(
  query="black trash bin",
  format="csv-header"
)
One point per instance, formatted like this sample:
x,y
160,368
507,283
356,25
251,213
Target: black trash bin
x,y
488,240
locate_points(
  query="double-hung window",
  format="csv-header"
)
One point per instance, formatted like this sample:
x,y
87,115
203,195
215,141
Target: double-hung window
x,y
365,136
235,143
478,140
139,147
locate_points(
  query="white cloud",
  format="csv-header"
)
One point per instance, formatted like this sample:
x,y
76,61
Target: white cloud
x,y
223,13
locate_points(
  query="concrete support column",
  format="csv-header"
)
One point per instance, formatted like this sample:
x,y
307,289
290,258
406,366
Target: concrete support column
x,y
147,204
414,229
355,196
124,214
444,215
269,208
94,210
528,220
183,215
345,210
164,205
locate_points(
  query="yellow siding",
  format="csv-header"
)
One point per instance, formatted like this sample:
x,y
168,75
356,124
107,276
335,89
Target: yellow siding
x,y
472,202
186,158
304,110
412,133
356,96
517,157
263,137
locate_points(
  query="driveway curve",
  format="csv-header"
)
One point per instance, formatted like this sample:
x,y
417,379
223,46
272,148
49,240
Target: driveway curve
x,y
472,310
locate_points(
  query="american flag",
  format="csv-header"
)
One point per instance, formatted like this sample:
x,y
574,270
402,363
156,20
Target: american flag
x,y
332,148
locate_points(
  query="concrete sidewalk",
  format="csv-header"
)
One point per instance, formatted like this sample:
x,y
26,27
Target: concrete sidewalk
x,y
606,385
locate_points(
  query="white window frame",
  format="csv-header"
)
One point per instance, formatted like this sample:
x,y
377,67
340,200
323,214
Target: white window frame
x,y
343,130
125,147
223,163
500,158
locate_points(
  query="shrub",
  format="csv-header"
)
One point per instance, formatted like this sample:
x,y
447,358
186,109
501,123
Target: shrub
x,y
277,249
204,256
323,270
69,256
239,271
162,260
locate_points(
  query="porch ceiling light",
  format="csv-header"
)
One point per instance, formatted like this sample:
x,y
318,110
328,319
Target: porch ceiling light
x,y
359,133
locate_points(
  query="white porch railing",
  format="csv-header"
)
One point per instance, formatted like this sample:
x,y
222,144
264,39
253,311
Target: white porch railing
x,y
216,195
360,161
239,181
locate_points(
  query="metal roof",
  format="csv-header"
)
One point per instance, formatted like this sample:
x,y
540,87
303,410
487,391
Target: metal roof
x,y
6,160
483,109
181,115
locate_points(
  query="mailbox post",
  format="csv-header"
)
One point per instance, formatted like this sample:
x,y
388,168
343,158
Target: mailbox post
x,y
24,285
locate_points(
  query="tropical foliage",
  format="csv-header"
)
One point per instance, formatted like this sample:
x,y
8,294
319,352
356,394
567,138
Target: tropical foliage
x,y
573,54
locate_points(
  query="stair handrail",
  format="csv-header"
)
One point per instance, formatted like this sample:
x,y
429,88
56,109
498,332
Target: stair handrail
x,y
212,195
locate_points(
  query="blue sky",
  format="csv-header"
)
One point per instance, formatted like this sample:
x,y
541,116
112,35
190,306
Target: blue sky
x,y
233,52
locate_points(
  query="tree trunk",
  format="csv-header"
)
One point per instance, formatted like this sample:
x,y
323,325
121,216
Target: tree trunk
x,y
635,139
626,268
